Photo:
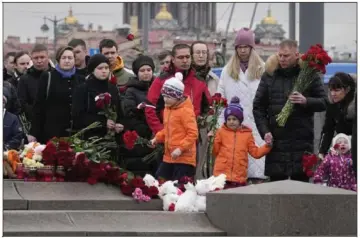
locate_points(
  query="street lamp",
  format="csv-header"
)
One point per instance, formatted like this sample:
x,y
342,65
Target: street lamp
x,y
45,28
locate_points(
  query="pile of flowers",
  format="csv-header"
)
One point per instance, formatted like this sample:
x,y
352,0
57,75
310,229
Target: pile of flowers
x,y
313,62
177,196
32,155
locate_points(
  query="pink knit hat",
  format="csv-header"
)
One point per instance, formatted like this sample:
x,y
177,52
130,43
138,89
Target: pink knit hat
x,y
245,36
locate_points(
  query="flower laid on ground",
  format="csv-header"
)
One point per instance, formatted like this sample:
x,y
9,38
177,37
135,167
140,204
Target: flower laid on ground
x,y
192,199
313,62
310,162
133,186
103,102
32,155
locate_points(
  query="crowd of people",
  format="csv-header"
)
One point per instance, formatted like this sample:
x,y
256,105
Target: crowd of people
x,y
249,146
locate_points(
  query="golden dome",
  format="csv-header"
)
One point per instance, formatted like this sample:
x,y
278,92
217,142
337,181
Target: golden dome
x,y
70,20
163,14
269,20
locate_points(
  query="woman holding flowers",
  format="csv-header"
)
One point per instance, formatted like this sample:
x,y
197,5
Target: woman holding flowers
x,y
296,136
241,78
338,118
88,106
52,107
133,106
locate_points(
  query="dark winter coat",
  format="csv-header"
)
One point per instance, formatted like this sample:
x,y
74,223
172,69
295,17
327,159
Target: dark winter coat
x,y
27,89
336,121
12,132
297,136
135,119
52,109
84,108
14,80
13,103
354,138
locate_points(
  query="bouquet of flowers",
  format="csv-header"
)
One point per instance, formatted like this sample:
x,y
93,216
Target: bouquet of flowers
x,y
139,188
310,162
131,138
313,62
103,102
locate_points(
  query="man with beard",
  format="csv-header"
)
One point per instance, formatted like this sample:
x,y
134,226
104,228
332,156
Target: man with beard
x,y
81,57
109,48
8,65
297,136
28,83
22,62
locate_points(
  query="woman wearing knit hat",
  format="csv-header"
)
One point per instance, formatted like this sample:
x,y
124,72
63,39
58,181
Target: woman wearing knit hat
x,y
84,108
233,142
336,168
179,134
241,77
52,108
342,88
132,104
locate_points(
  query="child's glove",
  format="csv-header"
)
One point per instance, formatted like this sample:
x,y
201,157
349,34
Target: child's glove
x,y
176,153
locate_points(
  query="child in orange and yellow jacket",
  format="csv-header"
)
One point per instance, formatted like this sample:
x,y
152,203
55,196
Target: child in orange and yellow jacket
x,y
233,141
179,134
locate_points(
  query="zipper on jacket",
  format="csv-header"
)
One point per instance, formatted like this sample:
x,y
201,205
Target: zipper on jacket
x,y
232,167
168,130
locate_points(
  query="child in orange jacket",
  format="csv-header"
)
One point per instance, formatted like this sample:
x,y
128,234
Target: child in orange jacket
x,y
233,141
179,134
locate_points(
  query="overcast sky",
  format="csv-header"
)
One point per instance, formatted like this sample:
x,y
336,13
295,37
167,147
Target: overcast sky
x,y
25,19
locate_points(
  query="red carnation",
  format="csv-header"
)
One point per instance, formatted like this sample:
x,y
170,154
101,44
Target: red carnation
x,y
63,145
113,80
211,112
336,146
172,207
152,191
126,189
122,89
124,176
309,173
130,37
92,180
137,183
50,148
100,104
107,98
130,138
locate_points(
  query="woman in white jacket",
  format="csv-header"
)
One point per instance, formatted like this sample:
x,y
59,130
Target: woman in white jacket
x,y
241,77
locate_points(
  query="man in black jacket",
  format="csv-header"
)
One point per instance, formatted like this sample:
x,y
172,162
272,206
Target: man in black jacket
x,y
12,129
28,83
8,66
297,136
81,57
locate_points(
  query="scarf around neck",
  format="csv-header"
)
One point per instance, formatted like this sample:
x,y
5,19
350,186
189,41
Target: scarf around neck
x,y
65,74
244,65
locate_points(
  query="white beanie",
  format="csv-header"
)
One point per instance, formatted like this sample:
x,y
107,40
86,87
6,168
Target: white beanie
x,y
341,135
174,87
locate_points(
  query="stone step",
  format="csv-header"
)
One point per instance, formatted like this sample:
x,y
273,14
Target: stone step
x,y
107,223
19,195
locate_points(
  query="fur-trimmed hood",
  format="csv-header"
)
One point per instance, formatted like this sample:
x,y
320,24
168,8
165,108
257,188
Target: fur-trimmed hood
x,y
272,64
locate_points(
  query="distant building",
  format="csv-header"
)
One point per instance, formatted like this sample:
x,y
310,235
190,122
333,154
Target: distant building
x,y
269,32
189,15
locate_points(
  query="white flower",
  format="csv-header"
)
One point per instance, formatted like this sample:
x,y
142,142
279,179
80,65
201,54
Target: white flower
x,y
200,203
168,199
97,98
150,181
203,186
167,188
37,157
39,149
186,202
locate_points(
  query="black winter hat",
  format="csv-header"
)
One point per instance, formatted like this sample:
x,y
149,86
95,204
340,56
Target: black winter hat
x,y
94,62
141,61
